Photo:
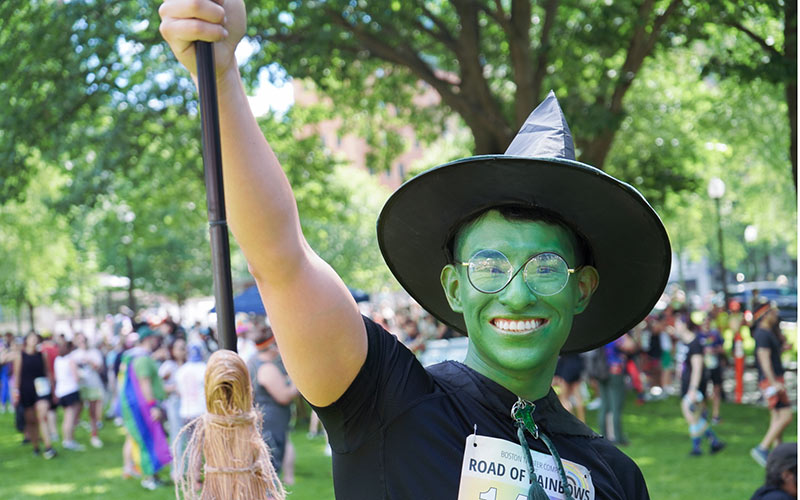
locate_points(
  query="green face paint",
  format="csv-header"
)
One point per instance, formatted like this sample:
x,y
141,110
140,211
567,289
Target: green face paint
x,y
515,336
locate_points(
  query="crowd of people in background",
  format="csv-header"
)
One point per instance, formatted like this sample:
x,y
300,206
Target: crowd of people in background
x,y
145,374
682,352
143,367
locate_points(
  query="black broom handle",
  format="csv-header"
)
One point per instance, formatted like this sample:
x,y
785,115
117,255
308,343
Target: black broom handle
x,y
215,195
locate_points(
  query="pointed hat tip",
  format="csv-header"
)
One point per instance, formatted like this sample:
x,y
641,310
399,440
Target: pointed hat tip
x,y
545,133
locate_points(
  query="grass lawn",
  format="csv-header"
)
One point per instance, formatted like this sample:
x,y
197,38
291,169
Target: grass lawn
x,y
659,444
98,473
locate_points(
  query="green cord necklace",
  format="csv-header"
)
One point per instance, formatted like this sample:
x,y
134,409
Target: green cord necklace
x,y
522,413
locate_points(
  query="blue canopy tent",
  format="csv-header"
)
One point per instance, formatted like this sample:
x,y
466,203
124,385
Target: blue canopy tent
x,y
250,302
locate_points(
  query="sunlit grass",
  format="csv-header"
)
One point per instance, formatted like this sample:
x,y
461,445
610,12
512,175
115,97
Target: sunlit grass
x,y
658,435
97,474
42,489
660,446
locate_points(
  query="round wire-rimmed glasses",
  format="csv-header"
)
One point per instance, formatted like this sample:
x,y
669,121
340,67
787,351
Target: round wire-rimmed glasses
x,y
490,271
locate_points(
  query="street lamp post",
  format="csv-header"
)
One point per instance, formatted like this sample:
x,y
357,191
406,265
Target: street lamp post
x,y
716,190
750,236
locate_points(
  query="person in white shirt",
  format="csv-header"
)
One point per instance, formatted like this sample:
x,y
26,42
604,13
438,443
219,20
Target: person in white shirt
x,y
67,394
189,384
167,371
90,362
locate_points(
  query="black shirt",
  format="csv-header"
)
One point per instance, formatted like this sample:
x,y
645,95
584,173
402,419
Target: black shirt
x,y
695,348
768,340
399,431
771,493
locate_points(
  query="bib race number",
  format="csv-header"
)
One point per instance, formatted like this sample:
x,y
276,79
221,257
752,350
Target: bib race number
x,y
494,469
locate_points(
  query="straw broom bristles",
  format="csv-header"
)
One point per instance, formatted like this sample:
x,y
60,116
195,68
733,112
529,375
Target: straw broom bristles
x,y
228,439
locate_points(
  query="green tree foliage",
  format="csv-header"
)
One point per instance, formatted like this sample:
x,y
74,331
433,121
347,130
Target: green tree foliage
x,y
100,166
338,204
35,243
66,66
689,129
491,62
103,103
757,41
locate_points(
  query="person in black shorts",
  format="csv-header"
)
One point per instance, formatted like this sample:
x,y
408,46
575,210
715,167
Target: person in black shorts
x,y
769,346
694,379
32,392
568,378
508,248
713,359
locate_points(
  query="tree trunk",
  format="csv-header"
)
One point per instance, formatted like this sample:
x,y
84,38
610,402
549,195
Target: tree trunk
x,y
109,303
30,315
595,151
790,54
791,101
487,140
181,301
19,319
131,297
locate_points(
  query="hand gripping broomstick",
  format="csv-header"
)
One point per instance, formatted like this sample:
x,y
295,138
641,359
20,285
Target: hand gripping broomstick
x,y
215,195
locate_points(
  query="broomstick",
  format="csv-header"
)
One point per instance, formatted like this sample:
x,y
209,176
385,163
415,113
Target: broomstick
x,y
225,450
215,195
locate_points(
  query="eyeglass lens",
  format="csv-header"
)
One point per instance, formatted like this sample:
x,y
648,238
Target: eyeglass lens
x,y
490,271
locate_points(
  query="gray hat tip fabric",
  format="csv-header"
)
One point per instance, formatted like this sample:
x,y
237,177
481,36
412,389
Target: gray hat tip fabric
x,y
545,133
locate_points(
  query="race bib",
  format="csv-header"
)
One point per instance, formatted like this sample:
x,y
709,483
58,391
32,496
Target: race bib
x,y
711,361
42,386
495,469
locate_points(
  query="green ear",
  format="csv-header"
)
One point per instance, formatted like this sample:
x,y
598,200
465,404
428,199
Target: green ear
x,y
588,280
450,284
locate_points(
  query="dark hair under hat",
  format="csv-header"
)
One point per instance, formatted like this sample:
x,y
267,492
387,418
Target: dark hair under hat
x,y
783,457
629,245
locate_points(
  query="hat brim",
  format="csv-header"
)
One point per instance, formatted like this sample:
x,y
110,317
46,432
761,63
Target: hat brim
x,y
629,243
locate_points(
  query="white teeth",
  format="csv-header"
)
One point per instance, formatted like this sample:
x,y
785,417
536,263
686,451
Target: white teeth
x,y
517,326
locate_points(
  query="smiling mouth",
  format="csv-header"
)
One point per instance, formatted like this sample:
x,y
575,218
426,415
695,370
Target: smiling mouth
x,y
516,327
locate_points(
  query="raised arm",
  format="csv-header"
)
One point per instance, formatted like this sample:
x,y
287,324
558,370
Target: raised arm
x,y
315,320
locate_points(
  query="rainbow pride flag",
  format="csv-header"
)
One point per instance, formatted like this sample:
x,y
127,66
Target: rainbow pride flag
x,y
147,434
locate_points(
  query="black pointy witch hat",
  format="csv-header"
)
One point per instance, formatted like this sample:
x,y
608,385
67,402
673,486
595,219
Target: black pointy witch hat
x,y
629,245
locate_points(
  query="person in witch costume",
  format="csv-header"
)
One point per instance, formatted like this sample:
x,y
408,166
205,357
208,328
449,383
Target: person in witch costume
x,y
508,248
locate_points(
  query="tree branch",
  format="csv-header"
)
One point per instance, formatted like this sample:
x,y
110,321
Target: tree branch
x,y
499,14
639,48
759,40
401,56
445,38
444,33
484,109
540,67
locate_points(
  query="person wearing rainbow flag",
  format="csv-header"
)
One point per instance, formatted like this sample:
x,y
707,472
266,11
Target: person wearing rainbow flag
x,y
146,448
